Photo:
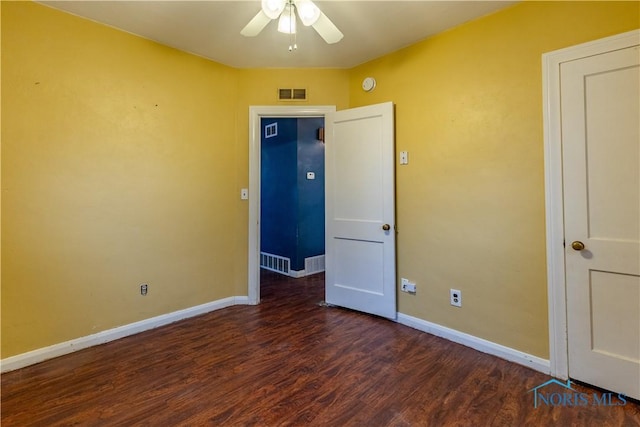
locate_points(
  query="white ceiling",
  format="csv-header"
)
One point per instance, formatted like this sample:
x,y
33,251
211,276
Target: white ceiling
x,y
212,28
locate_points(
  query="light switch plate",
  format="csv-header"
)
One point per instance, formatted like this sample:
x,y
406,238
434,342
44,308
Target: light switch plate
x,y
244,194
404,157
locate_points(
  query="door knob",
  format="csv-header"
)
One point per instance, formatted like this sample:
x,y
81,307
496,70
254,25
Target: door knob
x,y
386,227
577,245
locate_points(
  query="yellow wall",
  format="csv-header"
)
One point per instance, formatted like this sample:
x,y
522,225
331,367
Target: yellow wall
x,y
471,201
115,163
122,162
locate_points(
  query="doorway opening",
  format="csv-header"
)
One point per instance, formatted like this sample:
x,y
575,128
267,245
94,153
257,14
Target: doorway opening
x,y
256,114
292,195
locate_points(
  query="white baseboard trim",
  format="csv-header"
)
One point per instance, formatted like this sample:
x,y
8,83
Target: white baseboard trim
x,y
60,349
242,301
296,274
498,350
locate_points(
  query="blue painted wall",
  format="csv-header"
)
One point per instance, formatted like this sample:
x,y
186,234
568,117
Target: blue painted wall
x,y
278,192
292,207
310,192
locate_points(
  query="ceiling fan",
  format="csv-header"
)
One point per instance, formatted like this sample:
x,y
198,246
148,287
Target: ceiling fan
x,y
285,10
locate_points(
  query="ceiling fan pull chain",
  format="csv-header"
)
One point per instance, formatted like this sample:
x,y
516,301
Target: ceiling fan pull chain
x,y
292,32
293,45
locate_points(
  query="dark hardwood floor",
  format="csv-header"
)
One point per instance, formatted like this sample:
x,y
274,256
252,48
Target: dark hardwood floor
x,y
288,362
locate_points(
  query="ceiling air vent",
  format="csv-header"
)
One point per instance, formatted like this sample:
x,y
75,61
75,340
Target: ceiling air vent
x,y
292,94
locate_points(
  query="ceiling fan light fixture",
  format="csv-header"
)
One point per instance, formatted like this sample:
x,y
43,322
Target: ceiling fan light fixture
x,y
285,12
273,8
307,11
287,21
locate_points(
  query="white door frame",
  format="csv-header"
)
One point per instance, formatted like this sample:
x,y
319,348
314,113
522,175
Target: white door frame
x,y
255,114
556,284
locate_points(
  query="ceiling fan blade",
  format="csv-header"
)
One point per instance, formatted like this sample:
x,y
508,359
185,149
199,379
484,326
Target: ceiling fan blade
x,y
307,11
256,25
327,30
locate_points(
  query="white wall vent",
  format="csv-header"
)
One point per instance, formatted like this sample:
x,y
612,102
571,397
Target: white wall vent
x,y
285,94
314,264
276,263
282,265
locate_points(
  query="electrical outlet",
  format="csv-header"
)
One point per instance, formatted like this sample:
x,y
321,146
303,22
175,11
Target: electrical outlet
x,y
456,297
407,286
143,289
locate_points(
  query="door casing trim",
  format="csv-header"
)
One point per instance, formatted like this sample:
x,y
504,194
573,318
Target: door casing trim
x,y
255,114
554,199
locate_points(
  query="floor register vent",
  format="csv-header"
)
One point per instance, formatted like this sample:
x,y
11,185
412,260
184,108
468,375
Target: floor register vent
x,y
276,263
292,94
282,265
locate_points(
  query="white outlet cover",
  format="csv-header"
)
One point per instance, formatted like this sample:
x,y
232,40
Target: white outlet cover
x,y
407,286
455,297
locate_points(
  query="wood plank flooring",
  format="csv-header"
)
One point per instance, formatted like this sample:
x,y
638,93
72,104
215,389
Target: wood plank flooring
x,y
288,362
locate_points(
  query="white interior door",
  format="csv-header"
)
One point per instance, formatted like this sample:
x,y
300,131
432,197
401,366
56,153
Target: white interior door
x,y
600,106
360,210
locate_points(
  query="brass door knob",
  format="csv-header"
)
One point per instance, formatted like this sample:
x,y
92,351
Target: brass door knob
x,y
386,227
577,245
